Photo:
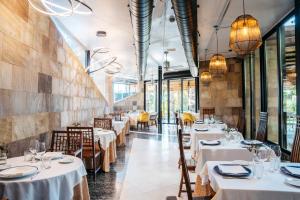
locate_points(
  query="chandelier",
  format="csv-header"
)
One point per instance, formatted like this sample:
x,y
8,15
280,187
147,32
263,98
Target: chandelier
x,y
205,76
61,7
217,64
245,34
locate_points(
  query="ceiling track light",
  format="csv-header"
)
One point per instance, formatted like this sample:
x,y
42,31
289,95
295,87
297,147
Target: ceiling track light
x,y
62,9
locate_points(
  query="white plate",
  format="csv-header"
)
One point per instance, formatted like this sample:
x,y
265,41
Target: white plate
x,y
66,160
5,166
52,155
293,181
252,142
18,172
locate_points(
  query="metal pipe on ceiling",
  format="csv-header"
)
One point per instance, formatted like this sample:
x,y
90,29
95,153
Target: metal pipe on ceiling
x,y
141,17
186,17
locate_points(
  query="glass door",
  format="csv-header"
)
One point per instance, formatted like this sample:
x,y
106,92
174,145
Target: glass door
x,y
151,97
175,99
165,100
189,95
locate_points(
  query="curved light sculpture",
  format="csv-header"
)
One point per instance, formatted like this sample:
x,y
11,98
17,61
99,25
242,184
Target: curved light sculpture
x,y
205,78
63,8
113,68
245,34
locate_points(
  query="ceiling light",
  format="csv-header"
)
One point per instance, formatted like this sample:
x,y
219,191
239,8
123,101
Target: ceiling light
x,y
217,64
205,78
101,33
245,34
63,8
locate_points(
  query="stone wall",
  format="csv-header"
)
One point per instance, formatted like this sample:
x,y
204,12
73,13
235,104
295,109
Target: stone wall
x,y
224,94
129,103
43,85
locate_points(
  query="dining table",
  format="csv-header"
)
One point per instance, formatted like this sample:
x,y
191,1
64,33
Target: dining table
x,y
108,147
60,181
273,184
205,131
121,128
225,151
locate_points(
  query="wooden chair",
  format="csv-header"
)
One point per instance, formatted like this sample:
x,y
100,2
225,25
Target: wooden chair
x,y
261,133
153,120
241,123
69,143
89,148
105,123
295,154
185,178
208,111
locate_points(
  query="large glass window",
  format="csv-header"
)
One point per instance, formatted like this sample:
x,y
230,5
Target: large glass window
x,y
271,61
288,71
123,90
175,98
188,98
151,97
247,96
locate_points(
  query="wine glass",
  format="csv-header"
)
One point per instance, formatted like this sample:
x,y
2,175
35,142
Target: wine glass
x,y
275,158
42,149
33,148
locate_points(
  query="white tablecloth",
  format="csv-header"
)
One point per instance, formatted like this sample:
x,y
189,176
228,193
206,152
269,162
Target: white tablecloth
x,y
133,118
54,183
271,186
223,152
105,136
211,134
118,125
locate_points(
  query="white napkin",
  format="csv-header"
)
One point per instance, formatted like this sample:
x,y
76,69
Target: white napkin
x,y
293,170
18,171
232,169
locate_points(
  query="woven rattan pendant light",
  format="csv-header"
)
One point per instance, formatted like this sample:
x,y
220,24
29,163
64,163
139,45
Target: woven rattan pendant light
x,y
217,64
245,34
205,76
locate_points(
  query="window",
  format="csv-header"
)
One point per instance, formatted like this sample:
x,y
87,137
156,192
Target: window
x,y
271,62
288,90
123,90
151,97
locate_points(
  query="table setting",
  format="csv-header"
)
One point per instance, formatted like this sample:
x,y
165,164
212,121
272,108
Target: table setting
x,y
254,180
46,172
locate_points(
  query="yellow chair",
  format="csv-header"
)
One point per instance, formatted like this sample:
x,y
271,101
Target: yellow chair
x,y
143,120
188,118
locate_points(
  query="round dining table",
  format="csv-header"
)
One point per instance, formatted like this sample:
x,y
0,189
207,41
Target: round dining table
x,y
60,181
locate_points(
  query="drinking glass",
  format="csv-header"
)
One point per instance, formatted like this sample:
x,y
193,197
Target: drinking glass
x,y
258,169
33,148
263,155
46,162
275,158
27,156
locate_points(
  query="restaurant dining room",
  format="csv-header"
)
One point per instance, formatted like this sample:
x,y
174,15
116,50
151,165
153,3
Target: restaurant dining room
x,y
149,100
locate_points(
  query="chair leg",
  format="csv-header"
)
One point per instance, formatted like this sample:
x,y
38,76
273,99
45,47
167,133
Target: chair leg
x,y
180,185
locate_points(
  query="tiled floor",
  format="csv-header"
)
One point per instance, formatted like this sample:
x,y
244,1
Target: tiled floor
x,y
108,186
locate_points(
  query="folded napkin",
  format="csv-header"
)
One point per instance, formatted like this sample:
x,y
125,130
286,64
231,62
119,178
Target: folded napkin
x,y
232,169
18,171
293,169
210,141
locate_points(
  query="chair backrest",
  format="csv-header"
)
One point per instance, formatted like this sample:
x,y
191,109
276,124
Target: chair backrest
x,y
59,141
184,168
75,141
88,136
241,123
295,154
261,133
208,111
153,117
105,123
66,141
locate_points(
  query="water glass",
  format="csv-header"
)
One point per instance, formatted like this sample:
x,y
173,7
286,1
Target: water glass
x,y
27,156
258,169
46,162
275,158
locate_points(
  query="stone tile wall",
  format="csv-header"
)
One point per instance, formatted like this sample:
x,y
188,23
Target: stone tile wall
x,y
224,94
43,85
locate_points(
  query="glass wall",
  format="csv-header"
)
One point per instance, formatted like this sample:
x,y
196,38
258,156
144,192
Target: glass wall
x,y
271,62
175,98
288,71
189,96
151,97
123,90
247,95
165,104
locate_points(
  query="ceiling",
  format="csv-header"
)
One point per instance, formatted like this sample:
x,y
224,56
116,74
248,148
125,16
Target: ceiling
x,y
113,17
267,12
